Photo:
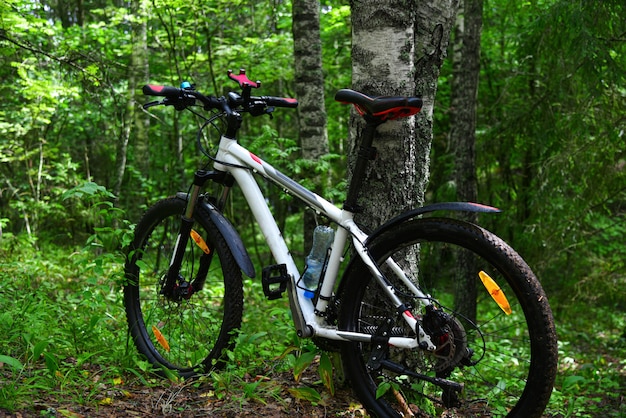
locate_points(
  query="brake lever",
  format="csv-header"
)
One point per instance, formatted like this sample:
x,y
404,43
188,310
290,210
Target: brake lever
x,y
179,103
150,104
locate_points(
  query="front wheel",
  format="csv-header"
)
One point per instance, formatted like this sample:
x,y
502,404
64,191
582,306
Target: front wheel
x,y
481,305
186,328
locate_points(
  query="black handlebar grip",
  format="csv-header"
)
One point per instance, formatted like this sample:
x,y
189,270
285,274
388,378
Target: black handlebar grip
x,y
165,91
281,102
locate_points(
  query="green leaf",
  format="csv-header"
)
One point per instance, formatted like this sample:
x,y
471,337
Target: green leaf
x,y
302,363
51,362
306,393
571,382
382,389
326,373
88,188
39,348
13,362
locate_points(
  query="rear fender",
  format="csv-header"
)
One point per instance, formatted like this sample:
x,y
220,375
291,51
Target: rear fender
x,y
228,231
447,206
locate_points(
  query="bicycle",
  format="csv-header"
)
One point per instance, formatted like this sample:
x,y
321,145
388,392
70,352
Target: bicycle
x,y
393,315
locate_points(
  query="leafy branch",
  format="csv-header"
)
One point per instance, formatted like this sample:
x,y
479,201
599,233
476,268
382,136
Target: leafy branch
x,y
64,60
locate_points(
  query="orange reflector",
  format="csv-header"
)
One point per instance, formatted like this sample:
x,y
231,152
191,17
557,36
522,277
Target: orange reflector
x,y
496,293
201,243
160,338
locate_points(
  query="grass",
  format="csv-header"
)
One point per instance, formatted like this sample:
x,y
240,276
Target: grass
x,y
64,332
64,335
592,357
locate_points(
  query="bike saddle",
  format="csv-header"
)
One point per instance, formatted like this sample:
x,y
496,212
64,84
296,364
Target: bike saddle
x,y
382,108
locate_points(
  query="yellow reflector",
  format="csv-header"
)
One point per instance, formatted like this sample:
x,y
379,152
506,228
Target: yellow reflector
x,y
496,293
198,239
160,338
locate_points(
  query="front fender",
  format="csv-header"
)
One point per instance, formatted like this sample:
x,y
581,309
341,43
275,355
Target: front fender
x,y
228,231
449,206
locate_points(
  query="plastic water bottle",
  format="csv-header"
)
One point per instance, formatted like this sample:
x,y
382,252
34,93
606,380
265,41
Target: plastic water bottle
x,y
323,237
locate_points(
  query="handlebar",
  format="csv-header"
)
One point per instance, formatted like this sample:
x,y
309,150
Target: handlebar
x,y
167,91
181,98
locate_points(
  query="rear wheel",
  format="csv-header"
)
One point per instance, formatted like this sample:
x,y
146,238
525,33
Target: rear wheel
x,y
505,362
188,329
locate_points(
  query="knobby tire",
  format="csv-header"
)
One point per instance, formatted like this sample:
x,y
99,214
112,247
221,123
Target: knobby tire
x,y
515,355
186,336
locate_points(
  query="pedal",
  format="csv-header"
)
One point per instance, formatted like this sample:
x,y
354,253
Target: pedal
x,y
274,280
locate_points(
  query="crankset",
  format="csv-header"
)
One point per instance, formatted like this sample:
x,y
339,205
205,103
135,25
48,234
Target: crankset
x,y
445,331
445,384
379,359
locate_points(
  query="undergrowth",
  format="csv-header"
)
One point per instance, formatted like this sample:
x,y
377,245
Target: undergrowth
x,y
64,334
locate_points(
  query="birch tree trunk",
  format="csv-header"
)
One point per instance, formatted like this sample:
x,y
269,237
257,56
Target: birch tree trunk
x,y
398,49
309,87
466,69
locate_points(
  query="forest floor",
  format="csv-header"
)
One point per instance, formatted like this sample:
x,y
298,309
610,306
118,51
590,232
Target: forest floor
x,y
189,399
197,399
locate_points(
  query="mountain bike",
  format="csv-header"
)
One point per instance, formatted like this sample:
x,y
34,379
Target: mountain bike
x,y
407,339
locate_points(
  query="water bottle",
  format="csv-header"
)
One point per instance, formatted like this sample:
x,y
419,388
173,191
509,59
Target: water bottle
x,y
323,237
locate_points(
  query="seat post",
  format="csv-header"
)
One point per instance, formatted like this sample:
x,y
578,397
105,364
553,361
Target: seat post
x,y
366,153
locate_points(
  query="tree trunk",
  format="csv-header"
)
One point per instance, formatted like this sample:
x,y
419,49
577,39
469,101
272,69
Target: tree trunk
x,y
398,50
309,87
466,69
137,70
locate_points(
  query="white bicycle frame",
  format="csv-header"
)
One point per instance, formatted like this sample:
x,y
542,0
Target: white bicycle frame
x,y
242,164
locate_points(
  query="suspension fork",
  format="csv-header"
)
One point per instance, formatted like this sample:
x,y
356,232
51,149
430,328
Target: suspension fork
x,y
205,260
186,224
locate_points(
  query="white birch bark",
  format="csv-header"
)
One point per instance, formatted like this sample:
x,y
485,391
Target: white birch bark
x,y
398,48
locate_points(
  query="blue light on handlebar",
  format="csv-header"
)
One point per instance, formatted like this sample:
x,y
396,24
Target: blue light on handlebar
x,y
185,85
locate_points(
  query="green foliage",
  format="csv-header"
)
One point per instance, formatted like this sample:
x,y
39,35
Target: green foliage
x,y
550,153
13,362
65,110
592,366
550,140
77,292
57,315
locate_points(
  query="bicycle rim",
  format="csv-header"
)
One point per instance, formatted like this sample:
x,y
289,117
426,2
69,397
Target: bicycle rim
x,y
186,334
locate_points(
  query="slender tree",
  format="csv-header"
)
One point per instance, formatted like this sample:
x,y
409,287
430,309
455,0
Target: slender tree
x,y
309,86
137,72
466,69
